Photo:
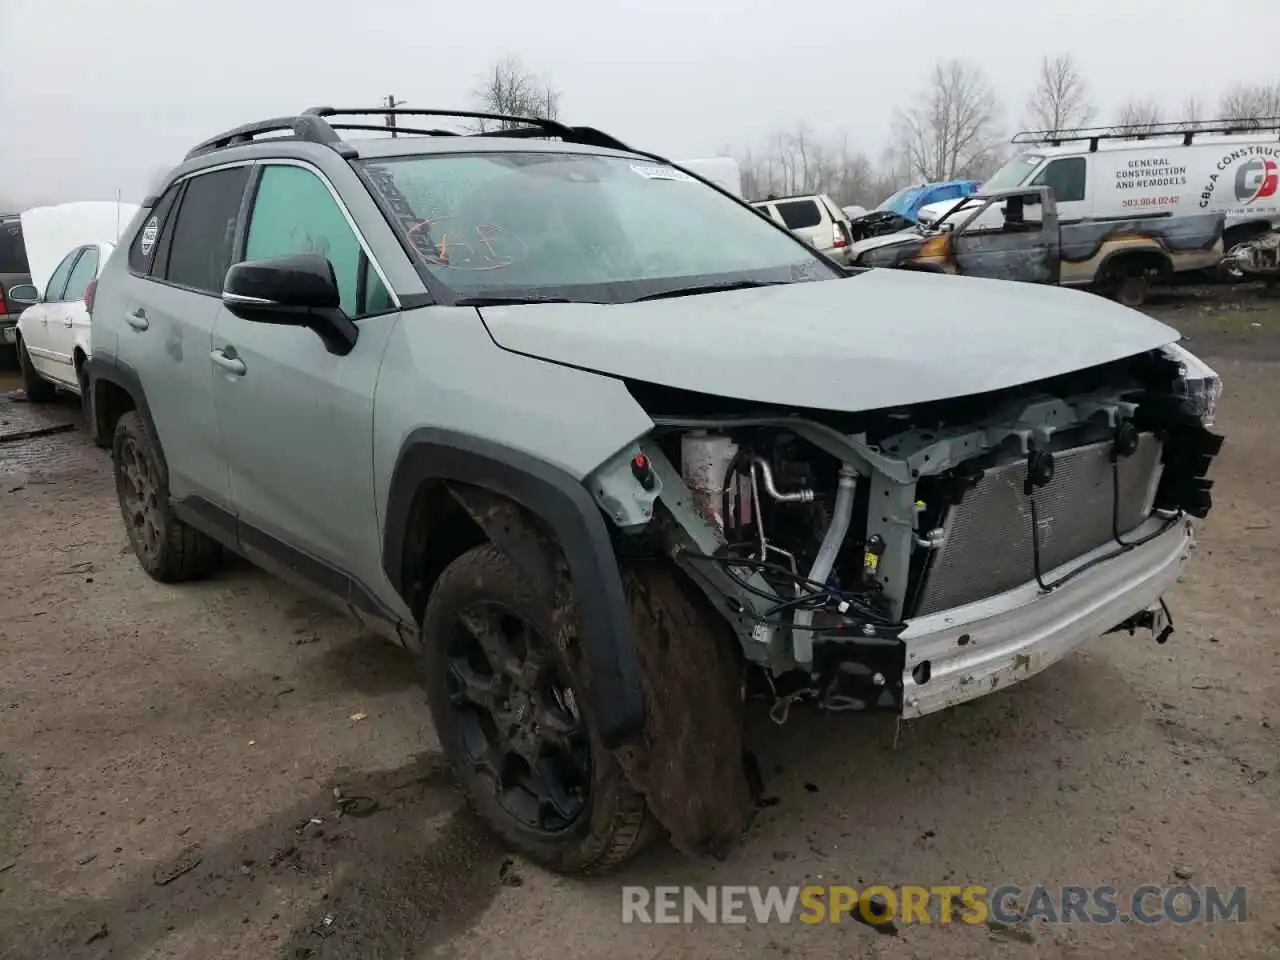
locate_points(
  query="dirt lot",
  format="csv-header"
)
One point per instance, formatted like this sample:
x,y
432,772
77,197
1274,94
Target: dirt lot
x,y
164,750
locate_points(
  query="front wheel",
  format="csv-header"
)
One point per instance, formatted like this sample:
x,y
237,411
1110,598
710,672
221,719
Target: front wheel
x,y
507,708
37,389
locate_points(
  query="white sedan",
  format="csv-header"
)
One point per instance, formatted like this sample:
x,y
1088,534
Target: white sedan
x,y
53,334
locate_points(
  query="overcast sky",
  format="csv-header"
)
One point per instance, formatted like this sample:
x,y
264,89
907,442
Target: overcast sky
x,y
96,96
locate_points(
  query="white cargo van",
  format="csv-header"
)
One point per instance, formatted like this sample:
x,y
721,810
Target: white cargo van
x,y
1174,169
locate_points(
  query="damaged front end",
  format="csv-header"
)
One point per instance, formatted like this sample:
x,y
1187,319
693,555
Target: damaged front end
x,y
911,559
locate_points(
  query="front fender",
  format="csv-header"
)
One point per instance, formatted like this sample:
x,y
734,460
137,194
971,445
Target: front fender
x,y
431,455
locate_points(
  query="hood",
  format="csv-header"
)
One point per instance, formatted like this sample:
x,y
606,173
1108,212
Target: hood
x,y
883,338
883,240
931,212
50,233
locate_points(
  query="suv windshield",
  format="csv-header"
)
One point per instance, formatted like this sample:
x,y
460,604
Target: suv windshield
x,y
579,227
1013,173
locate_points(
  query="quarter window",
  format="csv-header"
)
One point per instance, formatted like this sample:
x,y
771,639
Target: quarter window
x,y
294,212
204,230
798,214
143,256
58,281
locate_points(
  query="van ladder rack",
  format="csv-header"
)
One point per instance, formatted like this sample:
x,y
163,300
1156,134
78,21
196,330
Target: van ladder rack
x,y
313,126
1143,131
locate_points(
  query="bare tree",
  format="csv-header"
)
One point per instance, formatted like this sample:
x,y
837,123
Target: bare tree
x,y
952,128
1060,99
1192,110
1139,115
508,87
1252,102
798,161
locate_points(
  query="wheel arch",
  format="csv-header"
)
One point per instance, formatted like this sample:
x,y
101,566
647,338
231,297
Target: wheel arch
x,y
437,466
1117,260
115,390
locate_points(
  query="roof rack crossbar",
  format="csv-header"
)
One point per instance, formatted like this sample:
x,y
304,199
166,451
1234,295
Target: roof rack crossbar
x,y
1187,129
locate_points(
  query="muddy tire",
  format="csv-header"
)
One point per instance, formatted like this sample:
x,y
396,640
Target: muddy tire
x,y
86,400
168,550
523,744
37,389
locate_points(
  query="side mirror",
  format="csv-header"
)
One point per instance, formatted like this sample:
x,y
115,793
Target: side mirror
x,y
23,295
299,290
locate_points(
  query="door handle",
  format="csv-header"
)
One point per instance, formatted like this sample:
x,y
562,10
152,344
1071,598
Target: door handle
x,y
230,364
68,322
138,319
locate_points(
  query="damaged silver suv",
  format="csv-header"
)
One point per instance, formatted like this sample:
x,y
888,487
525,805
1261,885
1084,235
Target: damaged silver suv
x,y
604,447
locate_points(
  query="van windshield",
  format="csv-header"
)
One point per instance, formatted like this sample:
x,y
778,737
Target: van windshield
x,y
583,227
1014,173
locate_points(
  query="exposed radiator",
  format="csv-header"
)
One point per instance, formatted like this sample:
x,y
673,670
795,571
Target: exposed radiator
x,y
988,547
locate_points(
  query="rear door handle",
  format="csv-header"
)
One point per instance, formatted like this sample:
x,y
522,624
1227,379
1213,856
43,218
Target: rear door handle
x,y
68,322
138,319
230,364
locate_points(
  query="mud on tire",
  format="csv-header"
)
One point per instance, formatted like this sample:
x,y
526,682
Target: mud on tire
x,y
547,786
168,549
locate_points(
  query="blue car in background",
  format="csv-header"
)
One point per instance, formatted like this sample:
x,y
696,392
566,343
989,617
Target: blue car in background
x,y
899,211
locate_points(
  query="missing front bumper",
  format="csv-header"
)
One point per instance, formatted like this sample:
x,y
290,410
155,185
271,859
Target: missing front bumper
x,y
964,653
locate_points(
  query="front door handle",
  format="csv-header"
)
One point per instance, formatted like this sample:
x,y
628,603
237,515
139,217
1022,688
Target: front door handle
x,y
230,364
68,322
138,319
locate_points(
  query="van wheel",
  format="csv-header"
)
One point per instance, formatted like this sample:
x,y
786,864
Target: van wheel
x,y
168,550
511,718
38,390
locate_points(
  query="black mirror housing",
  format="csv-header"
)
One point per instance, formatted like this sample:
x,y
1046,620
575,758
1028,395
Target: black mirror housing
x,y
298,290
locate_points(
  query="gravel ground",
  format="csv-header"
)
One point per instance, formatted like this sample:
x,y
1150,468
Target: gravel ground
x,y
169,757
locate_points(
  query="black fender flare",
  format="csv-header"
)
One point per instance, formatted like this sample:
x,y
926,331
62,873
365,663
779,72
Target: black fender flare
x,y
108,370
564,505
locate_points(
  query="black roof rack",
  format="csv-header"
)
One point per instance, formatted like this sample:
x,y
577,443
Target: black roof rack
x,y
315,125
1187,129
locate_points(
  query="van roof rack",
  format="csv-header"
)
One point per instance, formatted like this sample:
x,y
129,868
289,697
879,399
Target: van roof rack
x,y
316,125
1187,129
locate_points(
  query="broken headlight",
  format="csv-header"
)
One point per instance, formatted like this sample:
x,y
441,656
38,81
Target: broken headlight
x,y
1197,382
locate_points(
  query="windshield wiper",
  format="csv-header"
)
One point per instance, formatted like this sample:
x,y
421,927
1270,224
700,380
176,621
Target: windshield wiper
x,y
508,301
711,288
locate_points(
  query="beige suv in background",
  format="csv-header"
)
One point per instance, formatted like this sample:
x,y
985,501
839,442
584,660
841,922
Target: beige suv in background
x,y
815,219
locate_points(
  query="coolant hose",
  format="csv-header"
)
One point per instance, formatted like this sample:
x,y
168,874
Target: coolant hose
x,y
832,541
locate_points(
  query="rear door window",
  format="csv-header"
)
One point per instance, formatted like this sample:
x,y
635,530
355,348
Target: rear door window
x,y
86,269
798,214
13,252
204,230
57,285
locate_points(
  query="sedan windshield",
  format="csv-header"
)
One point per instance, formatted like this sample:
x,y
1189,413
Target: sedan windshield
x,y
562,226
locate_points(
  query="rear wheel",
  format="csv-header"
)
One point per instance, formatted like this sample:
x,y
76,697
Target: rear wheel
x,y
1131,289
168,549
37,389
508,710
